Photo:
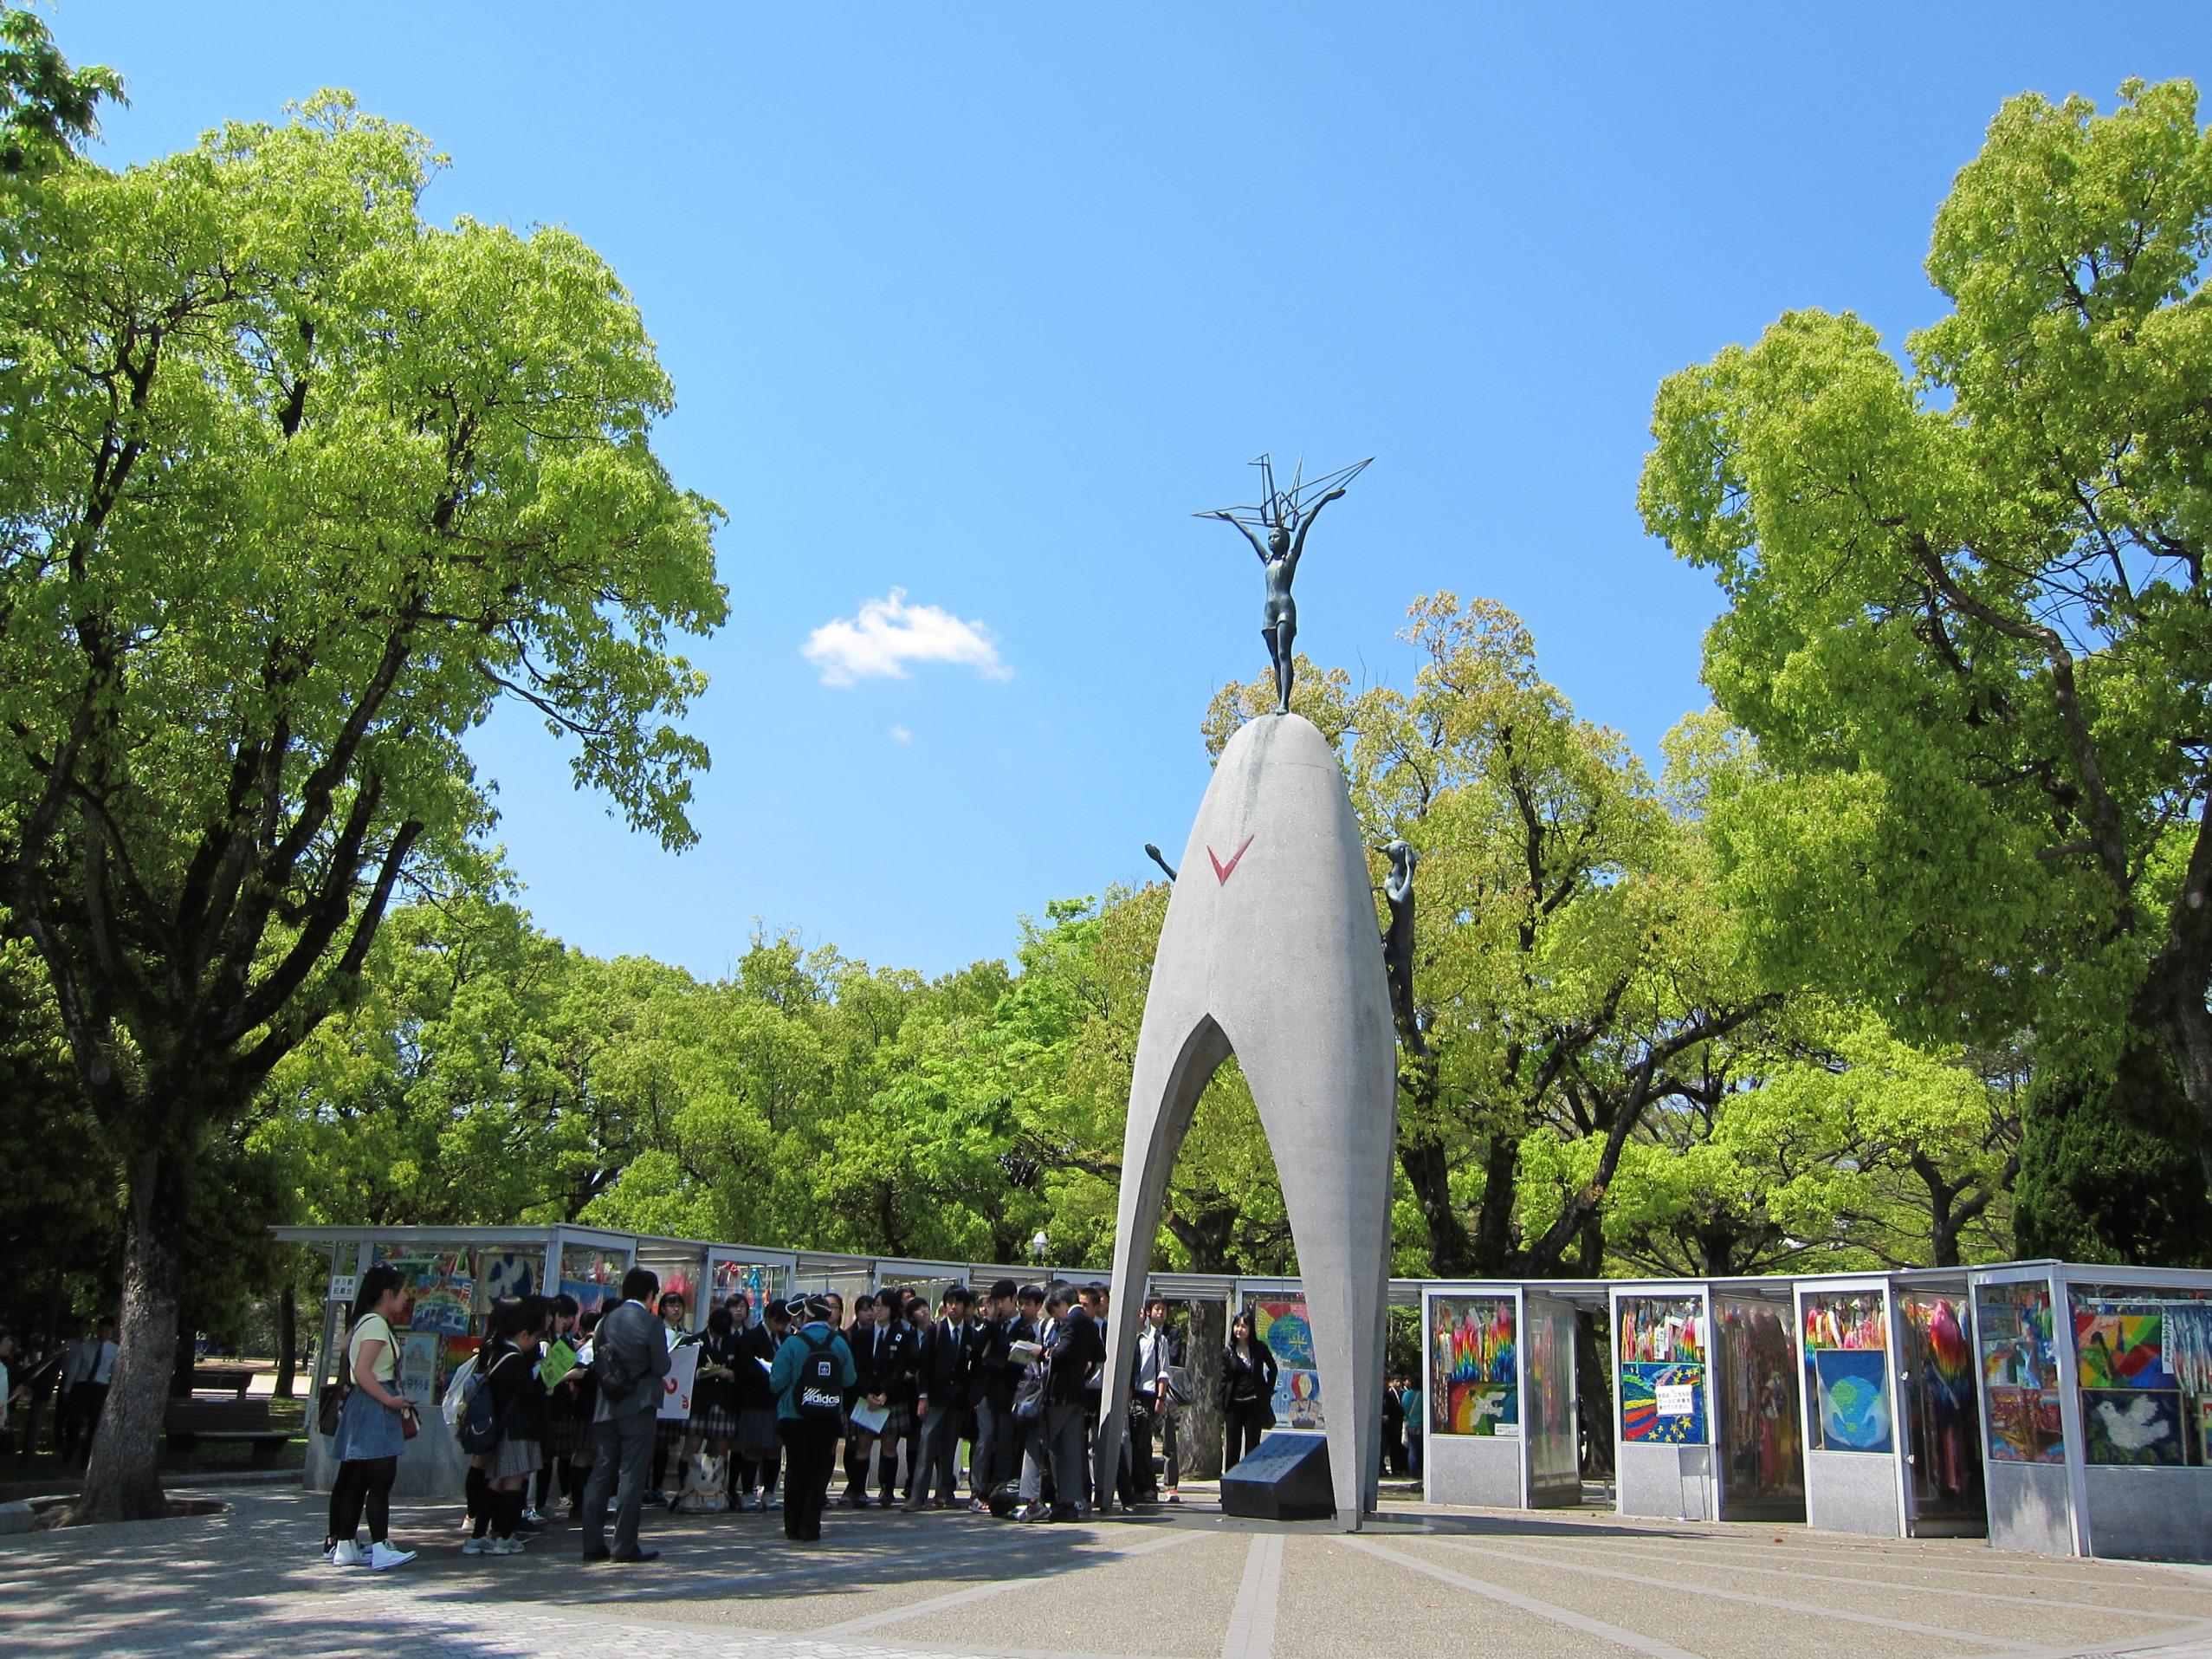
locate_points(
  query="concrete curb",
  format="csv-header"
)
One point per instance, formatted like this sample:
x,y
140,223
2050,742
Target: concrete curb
x,y
17,1517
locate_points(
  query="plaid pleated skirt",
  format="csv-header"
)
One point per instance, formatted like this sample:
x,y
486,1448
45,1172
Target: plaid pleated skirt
x,y
514,1455
567,1435
712,1419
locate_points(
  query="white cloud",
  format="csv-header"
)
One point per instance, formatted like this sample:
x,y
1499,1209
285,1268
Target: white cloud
x,y
888,633
901,735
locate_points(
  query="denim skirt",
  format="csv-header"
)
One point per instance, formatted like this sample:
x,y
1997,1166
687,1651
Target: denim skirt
x,y
366,1429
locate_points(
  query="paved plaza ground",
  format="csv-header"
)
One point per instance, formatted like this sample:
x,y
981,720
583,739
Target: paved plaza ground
x,y
1191,1584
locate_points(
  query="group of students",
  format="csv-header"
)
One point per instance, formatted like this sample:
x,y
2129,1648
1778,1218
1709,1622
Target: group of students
x,y
900,1387
78,1373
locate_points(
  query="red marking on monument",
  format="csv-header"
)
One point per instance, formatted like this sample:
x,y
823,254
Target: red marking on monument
x,y
1221,872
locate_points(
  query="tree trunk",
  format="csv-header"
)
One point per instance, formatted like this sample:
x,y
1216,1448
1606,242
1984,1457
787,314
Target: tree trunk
x,y
287,1339
1493,1241
123,1480
1199,1445
1450,1252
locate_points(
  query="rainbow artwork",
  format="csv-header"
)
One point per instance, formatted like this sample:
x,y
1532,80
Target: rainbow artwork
x,y
732,1278
1474,1381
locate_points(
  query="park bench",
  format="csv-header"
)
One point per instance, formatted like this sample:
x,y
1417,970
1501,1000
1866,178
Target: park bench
x,y
190,1421
222,1379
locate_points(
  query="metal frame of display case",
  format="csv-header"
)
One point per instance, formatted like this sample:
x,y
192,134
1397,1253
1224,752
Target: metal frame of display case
x,y
1845,1490
1911,1452
1674,1480
1736,1499
1500,1471
784,1262
2072,1505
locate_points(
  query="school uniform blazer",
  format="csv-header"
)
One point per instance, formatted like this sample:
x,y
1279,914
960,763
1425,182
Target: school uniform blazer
x,y
997,1373
947,1365
879,1355
1077,1347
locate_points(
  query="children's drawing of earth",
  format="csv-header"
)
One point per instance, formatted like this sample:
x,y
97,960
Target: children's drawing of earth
x,y
1855,1411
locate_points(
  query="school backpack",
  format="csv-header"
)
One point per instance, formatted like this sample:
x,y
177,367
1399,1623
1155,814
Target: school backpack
x,y
482,1423
459,1387
818,1397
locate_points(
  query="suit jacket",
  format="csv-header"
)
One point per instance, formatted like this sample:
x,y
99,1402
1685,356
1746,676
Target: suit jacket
x,y
946,1370
997,1372
633,1331
1246,1382
1077,1347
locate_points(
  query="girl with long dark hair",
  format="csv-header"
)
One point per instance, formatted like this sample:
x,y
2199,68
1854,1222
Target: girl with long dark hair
x,y
1247,1390
371,1427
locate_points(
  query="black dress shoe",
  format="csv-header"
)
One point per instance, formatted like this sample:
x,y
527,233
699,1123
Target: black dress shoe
x,y
636,1555
600,1553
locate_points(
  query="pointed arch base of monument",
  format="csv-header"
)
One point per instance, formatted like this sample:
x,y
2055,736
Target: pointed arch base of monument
x,y
1271,951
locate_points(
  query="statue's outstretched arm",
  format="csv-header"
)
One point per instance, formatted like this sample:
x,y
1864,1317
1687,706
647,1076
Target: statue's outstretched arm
x,y
1245,531
1299,547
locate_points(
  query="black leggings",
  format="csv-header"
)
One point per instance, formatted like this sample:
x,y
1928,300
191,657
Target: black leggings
x,y
362,1483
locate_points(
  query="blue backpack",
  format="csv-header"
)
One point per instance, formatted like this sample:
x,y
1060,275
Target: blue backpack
x,y
482,1423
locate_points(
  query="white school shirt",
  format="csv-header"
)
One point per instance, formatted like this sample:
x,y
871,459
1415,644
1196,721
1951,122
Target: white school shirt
x,y
105,1365
77,1368
1151,1357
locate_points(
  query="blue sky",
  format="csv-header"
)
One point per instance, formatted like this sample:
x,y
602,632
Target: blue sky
x,y
981,303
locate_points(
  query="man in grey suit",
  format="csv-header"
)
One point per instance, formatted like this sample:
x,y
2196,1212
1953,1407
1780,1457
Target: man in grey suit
x,y
630,1338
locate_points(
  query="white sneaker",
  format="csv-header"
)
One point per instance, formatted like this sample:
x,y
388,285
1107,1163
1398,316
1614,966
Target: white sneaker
x,y
505,1547
346,1553
532,1515
475,1545
383,1556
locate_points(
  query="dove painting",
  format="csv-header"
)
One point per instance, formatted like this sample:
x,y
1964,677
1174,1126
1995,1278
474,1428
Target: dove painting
x,y
2133,1426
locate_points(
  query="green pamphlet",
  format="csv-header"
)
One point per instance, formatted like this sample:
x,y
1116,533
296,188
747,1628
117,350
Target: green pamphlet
x,y
559,1360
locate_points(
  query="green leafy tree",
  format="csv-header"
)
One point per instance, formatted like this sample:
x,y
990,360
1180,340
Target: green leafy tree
x,y
1968,625
482,1077
58,1228
298,486
49,107
1819,1142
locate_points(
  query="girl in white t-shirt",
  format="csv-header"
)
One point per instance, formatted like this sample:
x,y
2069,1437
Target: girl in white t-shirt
x,y
371,1427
